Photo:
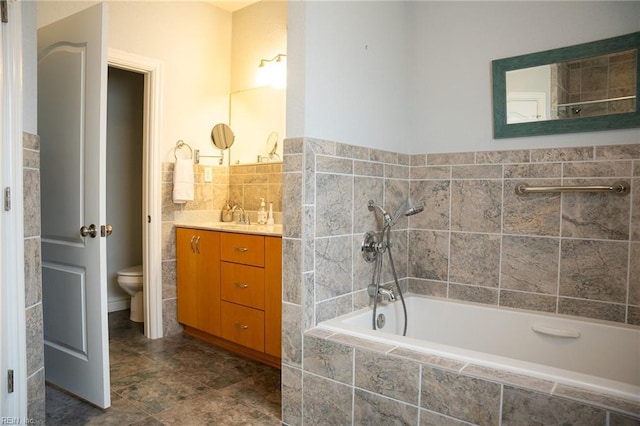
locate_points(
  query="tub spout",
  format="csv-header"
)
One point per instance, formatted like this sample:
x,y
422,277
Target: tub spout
x,y
387,293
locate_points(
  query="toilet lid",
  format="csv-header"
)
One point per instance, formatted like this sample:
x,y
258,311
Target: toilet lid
x,y
133,271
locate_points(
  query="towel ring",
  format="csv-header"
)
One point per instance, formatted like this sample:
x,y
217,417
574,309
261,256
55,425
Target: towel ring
x,y
182,144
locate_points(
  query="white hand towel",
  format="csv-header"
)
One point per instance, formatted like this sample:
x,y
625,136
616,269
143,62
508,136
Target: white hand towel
x,y
183,180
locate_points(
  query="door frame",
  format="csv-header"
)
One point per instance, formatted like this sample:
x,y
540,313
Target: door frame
x,y
13,354
152,70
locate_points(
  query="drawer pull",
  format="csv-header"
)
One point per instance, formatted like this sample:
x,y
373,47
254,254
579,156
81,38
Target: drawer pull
x,y
242,326
241,249
242,285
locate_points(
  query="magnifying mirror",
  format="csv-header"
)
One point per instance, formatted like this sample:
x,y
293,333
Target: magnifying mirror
x,y
272,144
222,136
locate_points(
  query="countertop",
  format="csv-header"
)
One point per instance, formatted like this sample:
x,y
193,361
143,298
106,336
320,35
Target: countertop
x,y
255,229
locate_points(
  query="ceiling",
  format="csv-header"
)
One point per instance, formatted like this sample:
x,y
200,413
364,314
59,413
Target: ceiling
x,y
231,5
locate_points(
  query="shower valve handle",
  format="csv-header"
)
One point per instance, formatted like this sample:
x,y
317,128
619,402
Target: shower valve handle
x,y
371,247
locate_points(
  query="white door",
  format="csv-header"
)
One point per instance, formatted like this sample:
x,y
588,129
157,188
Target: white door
x,y
524,106
72,83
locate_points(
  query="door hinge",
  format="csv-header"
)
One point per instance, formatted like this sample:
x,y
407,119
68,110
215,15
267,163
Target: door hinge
x,y
7,199
4,13
10,381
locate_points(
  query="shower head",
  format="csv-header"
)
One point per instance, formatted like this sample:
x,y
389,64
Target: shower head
x,y
411,207
408,208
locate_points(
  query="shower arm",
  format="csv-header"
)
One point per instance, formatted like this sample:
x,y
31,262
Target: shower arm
x,y
385,216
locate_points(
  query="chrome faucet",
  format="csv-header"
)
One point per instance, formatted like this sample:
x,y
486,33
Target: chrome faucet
x,y
243,217
387,293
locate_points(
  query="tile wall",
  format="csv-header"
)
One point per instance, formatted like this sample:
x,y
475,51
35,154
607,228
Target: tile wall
x,y
602,77
249,183
33,279
240,184
573,254
477,241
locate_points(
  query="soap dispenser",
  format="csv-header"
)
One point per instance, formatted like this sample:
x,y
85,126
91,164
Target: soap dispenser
x,y
227,213
270,220
262,213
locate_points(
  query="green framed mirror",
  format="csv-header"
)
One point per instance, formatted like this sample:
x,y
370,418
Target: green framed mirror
x,y
586,87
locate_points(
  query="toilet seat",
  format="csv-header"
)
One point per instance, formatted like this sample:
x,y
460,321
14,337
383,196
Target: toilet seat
x,y
132,271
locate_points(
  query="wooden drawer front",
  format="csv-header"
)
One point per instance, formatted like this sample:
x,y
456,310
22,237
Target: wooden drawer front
x,y
243,284
242,248
242,325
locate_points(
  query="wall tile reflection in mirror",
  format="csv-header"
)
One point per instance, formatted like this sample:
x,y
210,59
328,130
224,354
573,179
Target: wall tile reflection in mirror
x,y
586,87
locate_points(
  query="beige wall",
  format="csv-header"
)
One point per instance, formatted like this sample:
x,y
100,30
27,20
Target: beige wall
x,y
259,32
193,42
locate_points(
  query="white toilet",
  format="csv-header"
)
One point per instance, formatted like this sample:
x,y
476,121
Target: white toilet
x,y
130,280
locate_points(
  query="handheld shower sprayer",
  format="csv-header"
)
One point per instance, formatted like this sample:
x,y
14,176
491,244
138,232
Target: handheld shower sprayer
x,y
411,207
373,248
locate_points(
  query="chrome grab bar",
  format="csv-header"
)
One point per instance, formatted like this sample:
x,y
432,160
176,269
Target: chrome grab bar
x,y
619,188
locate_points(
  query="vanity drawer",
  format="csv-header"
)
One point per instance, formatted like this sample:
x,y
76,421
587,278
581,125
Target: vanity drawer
x,y
242,284
242,325
242,248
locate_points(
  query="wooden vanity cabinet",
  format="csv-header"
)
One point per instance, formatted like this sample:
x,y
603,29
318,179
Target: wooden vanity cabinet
x,y
273,296
246,281
252,291
198,277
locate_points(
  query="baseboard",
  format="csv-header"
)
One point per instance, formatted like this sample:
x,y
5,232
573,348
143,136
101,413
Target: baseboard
x,y
234,347
119,304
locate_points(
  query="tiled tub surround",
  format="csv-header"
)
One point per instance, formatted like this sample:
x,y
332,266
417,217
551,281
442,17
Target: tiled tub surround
x,y
480,333
480,336
476,240
347,380
238,184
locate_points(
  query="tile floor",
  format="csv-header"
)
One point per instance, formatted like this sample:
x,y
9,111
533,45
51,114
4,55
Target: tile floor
x,y
176,380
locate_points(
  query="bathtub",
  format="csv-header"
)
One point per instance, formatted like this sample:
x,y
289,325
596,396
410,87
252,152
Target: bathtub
x,y
588,354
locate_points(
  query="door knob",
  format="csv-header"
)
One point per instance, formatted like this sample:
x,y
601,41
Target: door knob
x,y
106,230
90,231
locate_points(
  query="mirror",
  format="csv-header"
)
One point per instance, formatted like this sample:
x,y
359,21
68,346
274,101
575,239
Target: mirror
x,y
257,115
222,136
592,86
272,144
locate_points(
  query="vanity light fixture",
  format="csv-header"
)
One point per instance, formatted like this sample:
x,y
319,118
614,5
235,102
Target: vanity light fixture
x,y
272,72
